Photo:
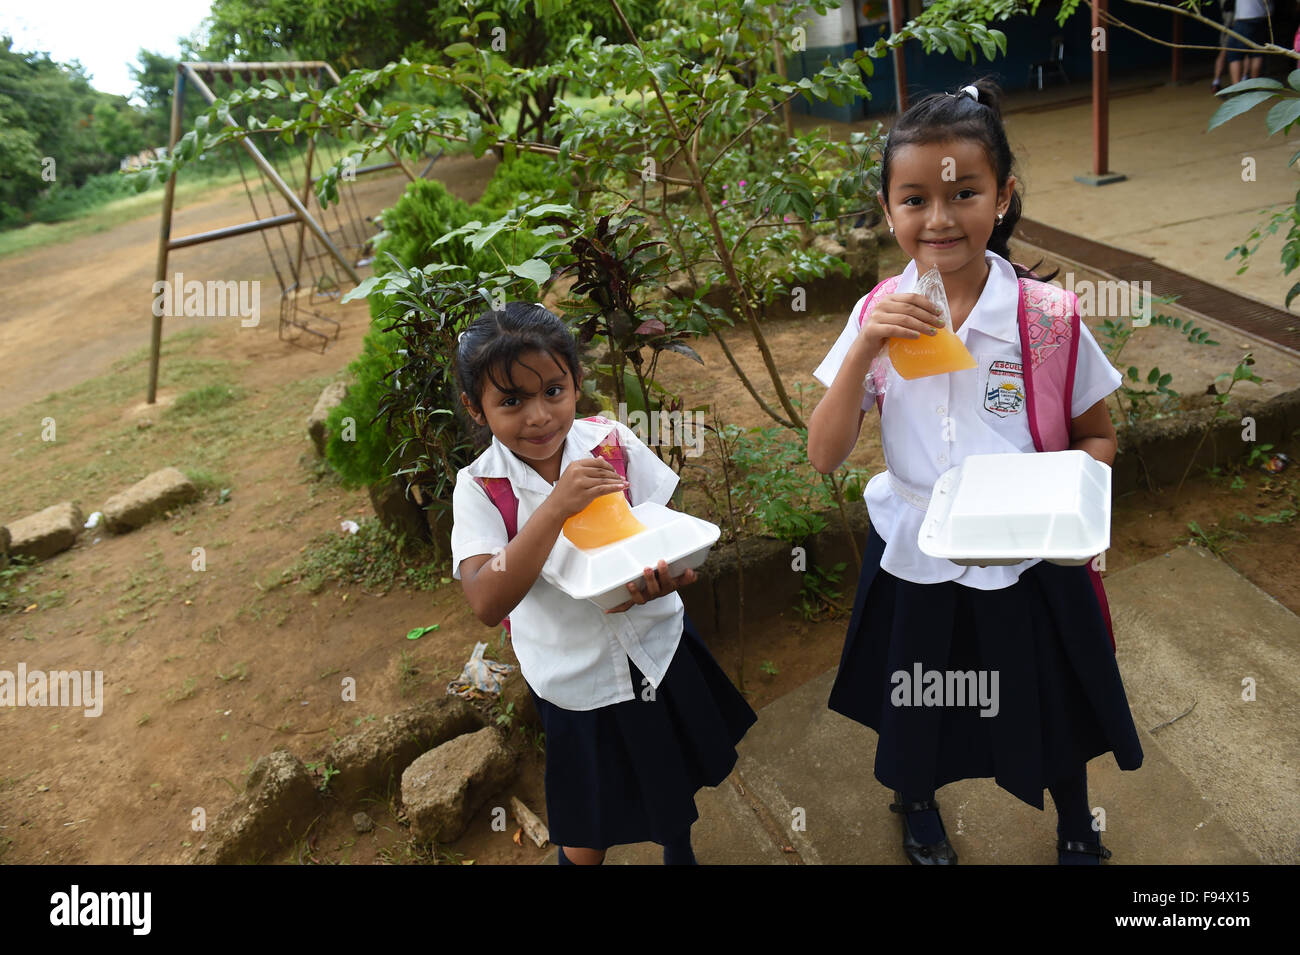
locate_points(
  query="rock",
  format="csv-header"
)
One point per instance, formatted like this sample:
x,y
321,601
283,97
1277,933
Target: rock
x,y
399,513
4,547
827,245
862,252
372,759
45,533
443,789
277,805
146,500
329,399
362,822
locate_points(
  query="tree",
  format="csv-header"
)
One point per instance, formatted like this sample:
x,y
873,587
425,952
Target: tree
x,y
364,34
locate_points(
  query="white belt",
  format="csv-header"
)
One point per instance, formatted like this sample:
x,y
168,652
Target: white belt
x,y
917,497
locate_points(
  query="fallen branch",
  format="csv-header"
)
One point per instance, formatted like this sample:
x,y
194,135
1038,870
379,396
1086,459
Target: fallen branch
x,y
1175,719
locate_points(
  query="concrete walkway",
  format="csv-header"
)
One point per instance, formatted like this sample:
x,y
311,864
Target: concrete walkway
x,y
1216,786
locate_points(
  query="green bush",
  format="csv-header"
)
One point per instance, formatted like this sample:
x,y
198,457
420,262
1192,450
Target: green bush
x,y
424,213
527,174
362,462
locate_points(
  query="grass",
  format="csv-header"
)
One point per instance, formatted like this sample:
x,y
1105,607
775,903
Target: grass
x,y
15,588
204,401
112,214
373,557
101,451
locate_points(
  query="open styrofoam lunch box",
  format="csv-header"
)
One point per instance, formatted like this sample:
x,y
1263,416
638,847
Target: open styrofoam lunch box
x,y
998,509
601,574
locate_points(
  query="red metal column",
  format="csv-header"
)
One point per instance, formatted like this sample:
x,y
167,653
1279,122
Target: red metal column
x,y
1100,90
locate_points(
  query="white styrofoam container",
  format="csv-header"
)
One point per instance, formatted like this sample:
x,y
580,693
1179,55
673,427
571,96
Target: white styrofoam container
x,y
998,509
602,574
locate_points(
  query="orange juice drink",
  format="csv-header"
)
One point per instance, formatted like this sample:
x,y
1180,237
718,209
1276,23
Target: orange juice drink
x,y
935,354
605,520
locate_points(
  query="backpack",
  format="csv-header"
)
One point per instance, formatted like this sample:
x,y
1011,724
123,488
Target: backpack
x,y
504,499
1049,335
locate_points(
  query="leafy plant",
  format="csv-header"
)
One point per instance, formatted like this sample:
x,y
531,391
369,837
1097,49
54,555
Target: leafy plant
x,y
616,265
327,772
1241,373
818,596
1211,541
778,488
1259,454
1159,400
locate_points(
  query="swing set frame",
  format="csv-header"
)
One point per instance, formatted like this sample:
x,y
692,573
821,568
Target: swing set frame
x,y
193,73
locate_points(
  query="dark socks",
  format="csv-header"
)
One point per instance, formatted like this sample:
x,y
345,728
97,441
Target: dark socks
x,y
678,851
1074,819
925,825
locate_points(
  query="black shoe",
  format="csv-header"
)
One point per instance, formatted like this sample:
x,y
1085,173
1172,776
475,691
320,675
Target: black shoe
x,y
1088,848
918,853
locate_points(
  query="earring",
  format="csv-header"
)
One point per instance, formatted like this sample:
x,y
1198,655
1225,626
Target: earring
x,y
891,230
999,218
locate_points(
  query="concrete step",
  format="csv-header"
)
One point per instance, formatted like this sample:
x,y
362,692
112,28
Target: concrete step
x,y
1217,786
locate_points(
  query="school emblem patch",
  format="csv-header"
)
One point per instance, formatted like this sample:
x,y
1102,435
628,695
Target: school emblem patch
x,y
1004,388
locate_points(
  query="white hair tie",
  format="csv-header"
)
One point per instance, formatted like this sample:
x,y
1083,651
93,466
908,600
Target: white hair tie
x,y
974,93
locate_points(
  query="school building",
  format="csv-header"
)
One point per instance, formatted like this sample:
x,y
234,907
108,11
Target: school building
x,y
1035,45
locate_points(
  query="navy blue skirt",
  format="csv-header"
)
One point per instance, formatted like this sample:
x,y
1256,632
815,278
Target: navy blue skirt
x,y
628,772
1060,700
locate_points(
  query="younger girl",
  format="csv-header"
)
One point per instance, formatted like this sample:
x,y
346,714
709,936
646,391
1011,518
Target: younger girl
x,y
1041,628
637,714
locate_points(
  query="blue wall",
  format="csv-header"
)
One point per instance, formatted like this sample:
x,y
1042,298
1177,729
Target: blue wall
x,y
1028,40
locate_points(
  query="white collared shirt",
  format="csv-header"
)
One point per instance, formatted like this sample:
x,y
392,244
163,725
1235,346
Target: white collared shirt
x,y
931,424
571,652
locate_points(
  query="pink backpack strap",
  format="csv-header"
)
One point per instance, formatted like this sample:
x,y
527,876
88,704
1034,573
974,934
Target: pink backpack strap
x,y
882,288
1049,345
502,496
611,449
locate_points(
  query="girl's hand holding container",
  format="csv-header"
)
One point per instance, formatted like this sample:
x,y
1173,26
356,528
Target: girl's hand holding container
x,y
655,583
901,315
581,483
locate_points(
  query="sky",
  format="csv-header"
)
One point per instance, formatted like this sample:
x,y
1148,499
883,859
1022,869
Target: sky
x,y
105,35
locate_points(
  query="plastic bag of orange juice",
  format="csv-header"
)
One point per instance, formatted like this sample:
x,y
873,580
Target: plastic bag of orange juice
x,y
930,354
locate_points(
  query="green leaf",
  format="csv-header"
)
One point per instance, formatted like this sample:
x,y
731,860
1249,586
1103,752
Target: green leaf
x,y
1259,83
1293,80
1153,376
457,50
1238,105
1283,114
534,269
1295,290
418,632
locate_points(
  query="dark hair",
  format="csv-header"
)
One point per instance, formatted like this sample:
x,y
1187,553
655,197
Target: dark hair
x,y
489,348
943,116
